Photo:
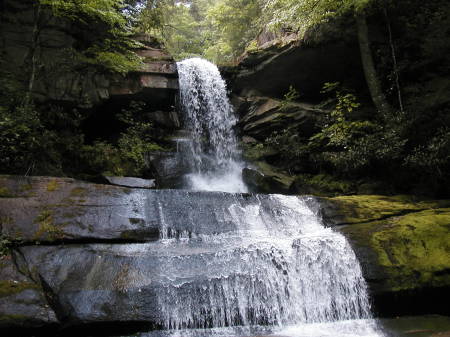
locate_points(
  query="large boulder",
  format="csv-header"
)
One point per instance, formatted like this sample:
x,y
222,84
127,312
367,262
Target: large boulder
x,y
169,168
265,179
403,246
101,257
98,283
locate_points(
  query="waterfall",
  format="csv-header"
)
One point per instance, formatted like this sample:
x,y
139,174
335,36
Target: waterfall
x,y
243,261
213,155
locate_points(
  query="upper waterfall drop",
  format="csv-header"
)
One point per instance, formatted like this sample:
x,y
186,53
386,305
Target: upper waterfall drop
x,y
214,157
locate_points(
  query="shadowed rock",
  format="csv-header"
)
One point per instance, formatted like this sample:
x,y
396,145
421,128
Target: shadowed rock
x,y
22,300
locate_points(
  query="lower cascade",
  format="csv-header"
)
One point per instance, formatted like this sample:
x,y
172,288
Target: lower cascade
x,y
269,261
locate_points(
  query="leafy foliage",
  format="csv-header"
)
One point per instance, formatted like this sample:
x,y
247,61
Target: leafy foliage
x,y
112,47
433,157
20,132
215,29
126,154
345,143
302,14
289,97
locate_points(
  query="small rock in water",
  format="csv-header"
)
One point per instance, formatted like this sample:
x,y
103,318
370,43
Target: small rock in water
x,y
131,182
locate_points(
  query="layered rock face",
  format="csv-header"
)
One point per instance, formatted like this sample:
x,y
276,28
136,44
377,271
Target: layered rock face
x,y
326,53
261,116
83,255
259,83
59,78
156,82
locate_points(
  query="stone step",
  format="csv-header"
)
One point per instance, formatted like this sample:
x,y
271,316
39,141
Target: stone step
x,y
43,209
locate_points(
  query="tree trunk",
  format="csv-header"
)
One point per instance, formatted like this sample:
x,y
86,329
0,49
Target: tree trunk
x,y
34,57
373,82
394,59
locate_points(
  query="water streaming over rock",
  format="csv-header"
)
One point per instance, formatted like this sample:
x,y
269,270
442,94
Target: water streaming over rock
x,y
213,153
240,260
272,263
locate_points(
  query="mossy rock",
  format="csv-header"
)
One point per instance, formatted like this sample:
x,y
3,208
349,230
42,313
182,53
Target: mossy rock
x,y
322,185
403,244
415,249
5,193
8,287
53,185
48,230
365,208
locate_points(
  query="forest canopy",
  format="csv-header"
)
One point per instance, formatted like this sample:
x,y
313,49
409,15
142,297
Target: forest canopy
x,y
221,30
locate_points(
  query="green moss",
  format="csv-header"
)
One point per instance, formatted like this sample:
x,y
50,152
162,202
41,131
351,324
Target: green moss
x,y
47,229
78,192
53,185
26,190
366,208
409,239
252,47
6,220
13,318
25,187
8,288
5,193
415,248
5,245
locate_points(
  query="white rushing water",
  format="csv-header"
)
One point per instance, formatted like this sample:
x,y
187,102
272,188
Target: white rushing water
x,y
214,156
279,267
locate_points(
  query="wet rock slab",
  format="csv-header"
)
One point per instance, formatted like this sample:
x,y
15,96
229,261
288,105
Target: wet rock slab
x,y
46,209
56,210
22,300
